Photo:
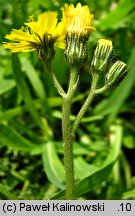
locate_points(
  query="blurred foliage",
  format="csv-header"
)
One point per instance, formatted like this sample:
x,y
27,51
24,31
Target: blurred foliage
x,y
31,150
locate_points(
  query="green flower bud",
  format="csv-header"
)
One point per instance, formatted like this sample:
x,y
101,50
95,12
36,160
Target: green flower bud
x,y
116,73
76,50
101,55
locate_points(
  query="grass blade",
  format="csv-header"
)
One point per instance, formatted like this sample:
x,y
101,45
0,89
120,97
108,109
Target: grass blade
x,y
35,81
23,88
6,85
11,138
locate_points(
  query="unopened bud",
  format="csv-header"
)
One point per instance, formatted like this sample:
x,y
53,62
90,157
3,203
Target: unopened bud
x,y
116,73
76,50
101,55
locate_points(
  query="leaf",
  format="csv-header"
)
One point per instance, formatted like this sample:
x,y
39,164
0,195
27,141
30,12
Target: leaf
x,y
83,169
54,101
37,150
19,110
35,81
58,115
129,194
53,166
23,88
115,18
5,191
91,182
11,113
12,139
6,85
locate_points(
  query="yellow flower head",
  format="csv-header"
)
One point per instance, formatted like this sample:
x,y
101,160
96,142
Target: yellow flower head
x,y
77,20
37,35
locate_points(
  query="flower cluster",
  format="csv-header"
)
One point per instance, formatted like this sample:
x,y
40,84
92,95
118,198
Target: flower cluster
x,y
43,34
70,34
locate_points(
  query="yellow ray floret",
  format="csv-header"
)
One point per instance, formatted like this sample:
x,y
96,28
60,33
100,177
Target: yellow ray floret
x,y
77,20
37,34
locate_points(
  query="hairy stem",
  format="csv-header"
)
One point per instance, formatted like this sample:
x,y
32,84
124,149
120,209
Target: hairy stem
x,y
55,80
67,136
86,103
102,90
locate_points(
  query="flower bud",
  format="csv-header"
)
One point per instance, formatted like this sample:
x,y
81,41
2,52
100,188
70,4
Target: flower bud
x,y
101,55
116,73
78,24
76,50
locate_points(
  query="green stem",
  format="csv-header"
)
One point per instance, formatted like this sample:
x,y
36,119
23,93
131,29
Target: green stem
x,y
68,149
67,136
86,103
55,80
102,90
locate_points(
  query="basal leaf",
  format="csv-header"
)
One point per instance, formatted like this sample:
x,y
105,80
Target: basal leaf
x,y
53,166
83,169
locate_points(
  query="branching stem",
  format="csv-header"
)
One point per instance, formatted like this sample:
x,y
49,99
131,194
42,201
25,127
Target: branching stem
x,y
86,104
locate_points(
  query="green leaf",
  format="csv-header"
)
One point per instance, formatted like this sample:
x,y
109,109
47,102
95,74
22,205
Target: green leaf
x,y
19,110
93,181
54,101
129,194
83,169
12,139
53,167
11,113
6,85
58,115
37,150
35,81
23,88
116,17
6,192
